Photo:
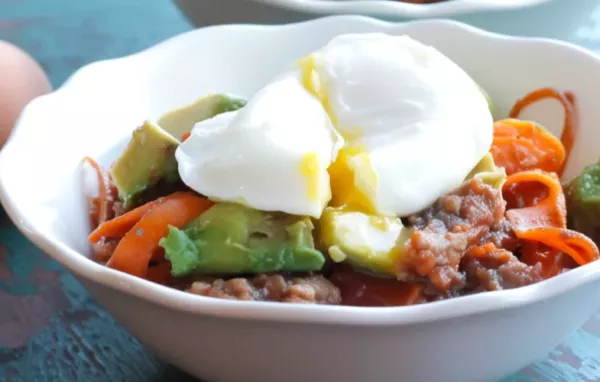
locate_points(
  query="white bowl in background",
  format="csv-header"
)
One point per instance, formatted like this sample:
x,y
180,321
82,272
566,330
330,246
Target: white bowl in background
x,y
222,340
209,12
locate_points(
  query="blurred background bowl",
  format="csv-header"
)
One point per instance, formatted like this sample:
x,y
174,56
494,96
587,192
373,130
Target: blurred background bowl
x,y
553,18
288,10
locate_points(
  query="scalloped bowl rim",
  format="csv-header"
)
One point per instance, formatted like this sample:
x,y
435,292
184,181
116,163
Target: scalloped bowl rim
x,y
398,8
85,268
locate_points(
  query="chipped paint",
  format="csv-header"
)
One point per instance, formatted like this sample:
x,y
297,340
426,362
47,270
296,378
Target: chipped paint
x,y
578,359
50,329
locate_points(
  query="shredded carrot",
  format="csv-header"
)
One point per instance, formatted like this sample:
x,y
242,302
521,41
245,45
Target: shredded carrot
x,y
101,200
580,247
185,136
103,249
545,221
525,145
535,200
570,124
521,195
570,128
119,226
134,251
552,260
548,212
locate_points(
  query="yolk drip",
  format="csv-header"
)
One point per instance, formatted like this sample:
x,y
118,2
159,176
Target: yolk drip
x,y
351,180
309,168
312,82
380,222
351,175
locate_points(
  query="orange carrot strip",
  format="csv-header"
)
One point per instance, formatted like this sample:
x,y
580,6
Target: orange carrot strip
x,y
550,211
526,194
119,226
552,260
571,126
570,122
185,136
545,222
103,250
135,250
581,248
524,145
102,198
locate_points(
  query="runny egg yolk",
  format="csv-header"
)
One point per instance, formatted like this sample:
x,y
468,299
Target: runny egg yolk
x,y
314,85
310,169
352,179
351,176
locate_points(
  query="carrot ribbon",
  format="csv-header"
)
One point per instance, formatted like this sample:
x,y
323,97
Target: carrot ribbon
x,y
101,201
135,250
525,145
544,221
570,122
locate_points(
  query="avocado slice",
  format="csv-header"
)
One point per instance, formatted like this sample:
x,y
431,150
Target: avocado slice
x,y
487,171
181,120
150,154
234,239
582,196
371,243
148,158
376,244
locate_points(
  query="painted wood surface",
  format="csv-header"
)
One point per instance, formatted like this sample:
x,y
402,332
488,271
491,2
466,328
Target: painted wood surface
x,y
50,329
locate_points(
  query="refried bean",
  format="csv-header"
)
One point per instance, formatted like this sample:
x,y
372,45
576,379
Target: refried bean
x,y
310,289
496,269
462,244
472,215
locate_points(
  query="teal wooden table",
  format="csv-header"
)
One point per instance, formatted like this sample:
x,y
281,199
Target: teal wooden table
x,y
50,329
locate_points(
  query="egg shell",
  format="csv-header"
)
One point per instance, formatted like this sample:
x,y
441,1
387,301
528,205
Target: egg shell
x,y
21,80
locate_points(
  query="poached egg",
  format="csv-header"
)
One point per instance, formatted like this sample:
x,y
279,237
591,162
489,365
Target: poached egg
x,y
379,124
271,155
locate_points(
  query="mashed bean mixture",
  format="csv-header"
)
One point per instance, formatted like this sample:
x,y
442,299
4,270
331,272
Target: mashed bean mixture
x,y
462,244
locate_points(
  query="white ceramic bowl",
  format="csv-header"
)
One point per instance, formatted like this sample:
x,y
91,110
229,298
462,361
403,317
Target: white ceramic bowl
x,y
209,12
475,338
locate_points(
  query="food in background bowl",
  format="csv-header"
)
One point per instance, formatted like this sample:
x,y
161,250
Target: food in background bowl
x,y
369,172
421,1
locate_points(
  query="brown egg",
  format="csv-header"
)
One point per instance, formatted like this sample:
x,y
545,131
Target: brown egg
x,y
21,80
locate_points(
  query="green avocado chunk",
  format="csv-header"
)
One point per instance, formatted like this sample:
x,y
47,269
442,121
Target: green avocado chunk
x,y
377,244
181,120
487,171
148,158
583,202
371,243
150,155
234,239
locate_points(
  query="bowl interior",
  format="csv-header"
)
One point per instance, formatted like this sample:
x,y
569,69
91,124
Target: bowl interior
x,y
94,113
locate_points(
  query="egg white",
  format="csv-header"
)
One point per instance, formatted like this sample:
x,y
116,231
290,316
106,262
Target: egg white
x,y
271,155
415,123
378,124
